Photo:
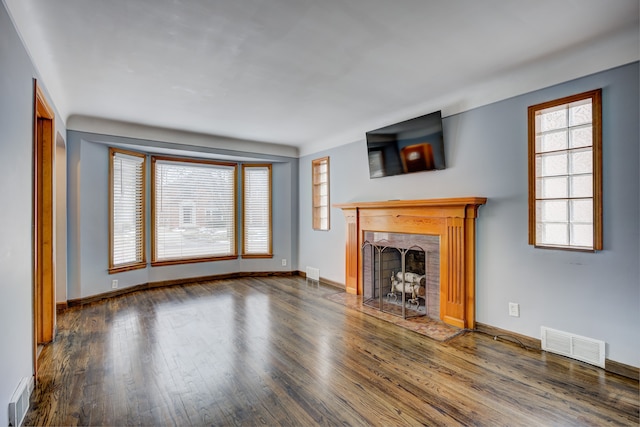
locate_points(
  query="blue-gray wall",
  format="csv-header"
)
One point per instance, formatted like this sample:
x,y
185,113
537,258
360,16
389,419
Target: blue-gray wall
x,y
88,219
16,188
591,294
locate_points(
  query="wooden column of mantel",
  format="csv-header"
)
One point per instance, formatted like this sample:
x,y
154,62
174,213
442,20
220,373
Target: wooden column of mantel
x,y
453,220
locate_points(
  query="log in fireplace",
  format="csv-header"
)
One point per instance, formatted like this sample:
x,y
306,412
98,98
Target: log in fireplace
x,y
451,220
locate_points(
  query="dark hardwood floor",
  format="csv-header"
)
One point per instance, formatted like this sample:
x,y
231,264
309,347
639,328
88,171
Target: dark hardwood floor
x,y
274,351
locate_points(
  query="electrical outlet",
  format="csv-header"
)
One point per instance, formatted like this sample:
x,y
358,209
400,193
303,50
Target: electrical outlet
x,y
284,262
114,284
514,309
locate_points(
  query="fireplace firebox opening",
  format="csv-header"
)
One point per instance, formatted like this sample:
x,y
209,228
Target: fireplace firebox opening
x,y
401,274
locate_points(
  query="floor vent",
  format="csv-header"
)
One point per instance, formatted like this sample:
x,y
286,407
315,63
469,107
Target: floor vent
x,y
574,346
313,273
19,403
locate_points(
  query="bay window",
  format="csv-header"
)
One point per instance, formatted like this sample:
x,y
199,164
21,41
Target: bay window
x,y
256,211
193,210
126,210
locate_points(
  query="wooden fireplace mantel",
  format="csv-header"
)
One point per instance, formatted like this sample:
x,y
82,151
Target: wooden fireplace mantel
x,y
452,219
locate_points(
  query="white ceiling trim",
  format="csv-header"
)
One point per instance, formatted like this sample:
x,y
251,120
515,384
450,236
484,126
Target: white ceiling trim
x,y
103,126
302,74
618,49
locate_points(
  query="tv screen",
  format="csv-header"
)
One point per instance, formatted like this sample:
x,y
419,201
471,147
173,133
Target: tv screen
x,y
414,145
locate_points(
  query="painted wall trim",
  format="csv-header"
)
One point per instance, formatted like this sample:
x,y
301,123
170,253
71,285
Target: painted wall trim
x,y
534,344
159,284
615,50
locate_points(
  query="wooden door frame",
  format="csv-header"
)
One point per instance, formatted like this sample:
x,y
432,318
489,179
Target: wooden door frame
x,y
44,302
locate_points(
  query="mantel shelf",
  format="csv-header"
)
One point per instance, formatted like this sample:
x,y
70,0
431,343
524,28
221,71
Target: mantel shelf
x,y
456,201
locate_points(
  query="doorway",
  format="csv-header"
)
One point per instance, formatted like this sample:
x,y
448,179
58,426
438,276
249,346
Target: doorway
x,y
44,302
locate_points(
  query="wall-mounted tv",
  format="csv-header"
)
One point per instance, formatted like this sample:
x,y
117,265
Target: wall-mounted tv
x,y
414,145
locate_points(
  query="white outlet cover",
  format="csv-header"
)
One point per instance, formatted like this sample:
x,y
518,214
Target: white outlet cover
x,y
514,309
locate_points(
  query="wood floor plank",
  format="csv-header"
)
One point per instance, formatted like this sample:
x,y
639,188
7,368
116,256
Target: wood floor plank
x,y
274,351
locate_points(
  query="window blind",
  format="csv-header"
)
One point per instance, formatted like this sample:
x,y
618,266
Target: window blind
x,y
127,209
256,205
194,210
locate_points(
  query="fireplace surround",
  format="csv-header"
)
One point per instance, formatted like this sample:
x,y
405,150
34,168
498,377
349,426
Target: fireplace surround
x,y
452,220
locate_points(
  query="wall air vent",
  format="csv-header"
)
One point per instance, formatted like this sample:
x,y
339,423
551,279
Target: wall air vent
x,y
313,273
574,346
19,403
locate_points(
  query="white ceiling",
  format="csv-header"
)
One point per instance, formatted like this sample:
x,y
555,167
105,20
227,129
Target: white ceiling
x,y
311,73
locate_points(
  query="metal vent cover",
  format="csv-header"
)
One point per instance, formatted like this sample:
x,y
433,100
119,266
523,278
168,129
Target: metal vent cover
x,y
19,403
575,346
313,273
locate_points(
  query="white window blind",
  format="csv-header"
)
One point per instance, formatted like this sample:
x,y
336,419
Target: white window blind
x,y
256,210
127,210
194,210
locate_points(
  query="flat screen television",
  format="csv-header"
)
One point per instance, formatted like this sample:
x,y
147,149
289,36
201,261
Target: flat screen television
x,y
414,145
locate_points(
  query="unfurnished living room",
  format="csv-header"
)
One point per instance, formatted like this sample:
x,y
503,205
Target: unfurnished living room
x,y
298,213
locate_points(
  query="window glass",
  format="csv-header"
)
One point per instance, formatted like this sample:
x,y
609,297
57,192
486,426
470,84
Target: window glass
x,y
127,210
320,193
565,172
194,210
256,208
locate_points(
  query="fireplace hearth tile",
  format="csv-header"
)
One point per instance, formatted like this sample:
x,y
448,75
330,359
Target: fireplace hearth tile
x,y
424,325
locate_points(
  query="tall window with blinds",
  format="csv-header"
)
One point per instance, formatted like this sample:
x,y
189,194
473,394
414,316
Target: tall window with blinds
x,y
565,173
256,209
126,210
193,210
320,193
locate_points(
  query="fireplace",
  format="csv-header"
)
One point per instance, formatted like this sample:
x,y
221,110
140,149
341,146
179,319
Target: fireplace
x,y
401,273
450,221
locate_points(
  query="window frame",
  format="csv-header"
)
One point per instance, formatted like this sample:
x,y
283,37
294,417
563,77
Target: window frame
x,y
317,208
596,149
269,253
155,262
142,262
